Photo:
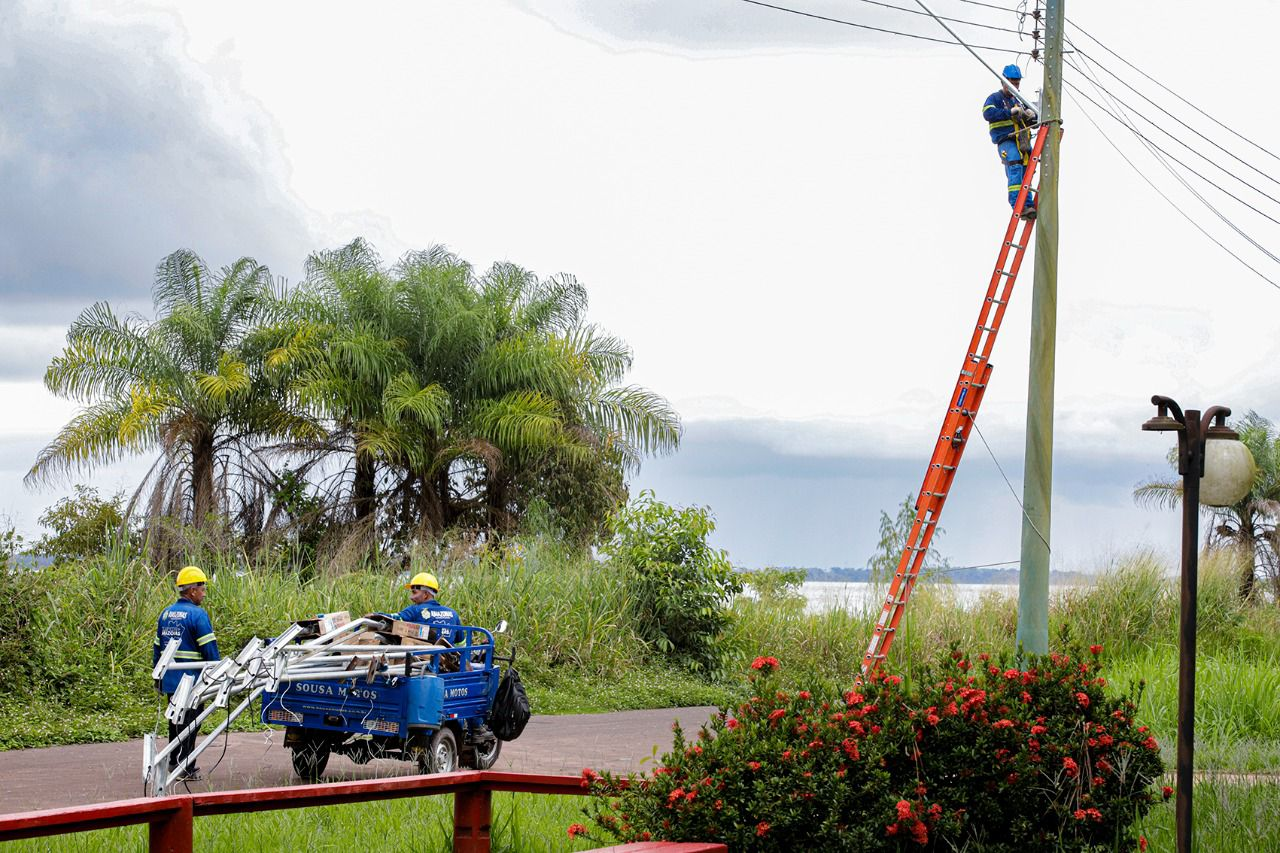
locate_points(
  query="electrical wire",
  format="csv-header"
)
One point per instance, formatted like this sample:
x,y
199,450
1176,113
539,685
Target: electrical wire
x,y
1224,126
990,6
1171,202
1120,108
943,18
1012,490
845,23
1175,159
1011,90
1095,82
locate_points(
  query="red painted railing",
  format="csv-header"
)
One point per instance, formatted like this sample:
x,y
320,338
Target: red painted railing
x,y
171,819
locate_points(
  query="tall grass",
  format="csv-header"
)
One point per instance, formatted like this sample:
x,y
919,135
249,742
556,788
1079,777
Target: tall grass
x,y
579,644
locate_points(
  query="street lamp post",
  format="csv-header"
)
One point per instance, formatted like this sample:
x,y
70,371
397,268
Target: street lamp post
x,y
1227,479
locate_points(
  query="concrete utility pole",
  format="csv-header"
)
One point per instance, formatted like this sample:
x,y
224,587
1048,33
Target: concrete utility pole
x,y
1037,480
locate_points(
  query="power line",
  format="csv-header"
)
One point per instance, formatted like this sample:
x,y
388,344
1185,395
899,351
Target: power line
x,y
1226,127
1171,202
1012,91
1226,151
991,6
1181,163
1012,490
1120,107
845,23
953,20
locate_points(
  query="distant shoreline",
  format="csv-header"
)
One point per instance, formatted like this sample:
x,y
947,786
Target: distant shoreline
x,y
957,576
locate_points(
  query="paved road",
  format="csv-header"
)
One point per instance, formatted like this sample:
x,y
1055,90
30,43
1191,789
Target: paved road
x,y
73,775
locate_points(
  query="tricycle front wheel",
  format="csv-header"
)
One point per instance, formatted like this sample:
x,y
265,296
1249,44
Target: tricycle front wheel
x,y
441,755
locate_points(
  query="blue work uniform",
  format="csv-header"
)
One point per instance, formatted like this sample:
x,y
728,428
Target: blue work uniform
x,y
433,613
1005,133
190,625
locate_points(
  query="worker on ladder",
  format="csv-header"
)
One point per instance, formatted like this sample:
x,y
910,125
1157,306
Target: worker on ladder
x,y
1011,125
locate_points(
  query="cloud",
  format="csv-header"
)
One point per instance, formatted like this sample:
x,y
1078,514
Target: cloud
x,y
115,150
732,25
820,506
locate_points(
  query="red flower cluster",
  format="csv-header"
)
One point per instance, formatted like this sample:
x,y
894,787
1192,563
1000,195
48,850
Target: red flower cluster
x,y
954,735
576,829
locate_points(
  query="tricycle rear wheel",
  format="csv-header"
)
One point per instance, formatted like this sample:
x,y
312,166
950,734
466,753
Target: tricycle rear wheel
x,y
484,755
441,755
310,757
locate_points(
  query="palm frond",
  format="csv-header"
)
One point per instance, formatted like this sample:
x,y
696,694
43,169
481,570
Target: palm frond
x,y
91,438
1158,494
429,405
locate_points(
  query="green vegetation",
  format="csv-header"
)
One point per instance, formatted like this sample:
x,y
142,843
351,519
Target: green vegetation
x,y
522,823
583,644
1229,818
369,410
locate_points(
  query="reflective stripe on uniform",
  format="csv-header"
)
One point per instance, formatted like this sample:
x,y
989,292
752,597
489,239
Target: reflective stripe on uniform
x,y
189,656
1013,187
157,640
1006,123
988,107
207,638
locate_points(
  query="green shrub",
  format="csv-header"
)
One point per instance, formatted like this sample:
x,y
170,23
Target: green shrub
x,y
681,587
83,525
976,754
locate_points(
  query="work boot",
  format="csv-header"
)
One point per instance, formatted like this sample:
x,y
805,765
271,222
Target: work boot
x,y
1028,214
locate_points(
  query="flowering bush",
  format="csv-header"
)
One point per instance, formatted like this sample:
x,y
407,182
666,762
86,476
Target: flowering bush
x,y
979,753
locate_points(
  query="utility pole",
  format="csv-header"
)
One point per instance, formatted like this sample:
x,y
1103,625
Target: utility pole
x,y
1037,480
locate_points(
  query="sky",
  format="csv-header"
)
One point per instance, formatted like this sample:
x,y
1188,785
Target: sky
x,y
792,223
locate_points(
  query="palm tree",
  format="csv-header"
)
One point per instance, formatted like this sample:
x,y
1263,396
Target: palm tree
x,y
182,384
1250,524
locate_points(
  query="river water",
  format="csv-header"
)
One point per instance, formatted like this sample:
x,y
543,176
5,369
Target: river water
x,y
833,595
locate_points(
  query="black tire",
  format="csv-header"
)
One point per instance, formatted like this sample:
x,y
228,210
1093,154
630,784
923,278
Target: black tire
x,y
485,755
310,759
441,755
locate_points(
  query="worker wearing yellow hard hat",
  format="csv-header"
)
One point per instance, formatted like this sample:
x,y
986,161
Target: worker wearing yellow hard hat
x,y
185,621
425,609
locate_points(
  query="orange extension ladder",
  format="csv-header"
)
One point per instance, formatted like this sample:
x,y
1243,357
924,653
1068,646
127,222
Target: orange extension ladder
x,y
965,400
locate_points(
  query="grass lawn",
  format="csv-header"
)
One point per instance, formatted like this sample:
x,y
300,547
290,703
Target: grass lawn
x,y
1229,818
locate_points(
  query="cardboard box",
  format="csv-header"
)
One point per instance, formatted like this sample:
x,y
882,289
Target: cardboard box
x,y
333,621
413,630
367,637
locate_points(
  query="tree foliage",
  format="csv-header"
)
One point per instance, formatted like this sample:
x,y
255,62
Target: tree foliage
x,y
82,525
1253,523
894,531
682,588
406,399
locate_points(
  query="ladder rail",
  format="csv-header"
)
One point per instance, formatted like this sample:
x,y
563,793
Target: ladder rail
x,y
962,410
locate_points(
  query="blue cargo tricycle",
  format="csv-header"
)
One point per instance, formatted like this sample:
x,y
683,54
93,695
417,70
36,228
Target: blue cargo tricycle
x,y
426,704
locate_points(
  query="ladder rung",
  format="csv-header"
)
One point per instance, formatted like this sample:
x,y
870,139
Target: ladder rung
x,y
1014,245
1003,272
989,328
998,301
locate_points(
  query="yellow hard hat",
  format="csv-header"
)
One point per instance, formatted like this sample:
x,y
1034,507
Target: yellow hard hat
x,y
191,574
423,579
